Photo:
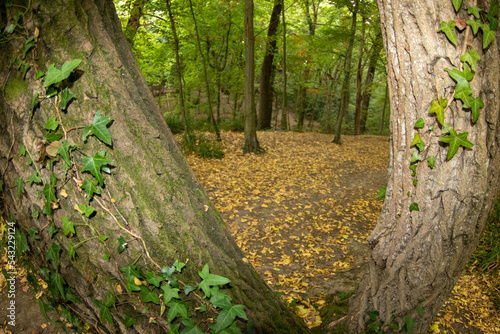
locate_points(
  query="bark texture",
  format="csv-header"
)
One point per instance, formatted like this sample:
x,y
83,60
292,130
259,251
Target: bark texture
x,y
155,190
419,255
267,69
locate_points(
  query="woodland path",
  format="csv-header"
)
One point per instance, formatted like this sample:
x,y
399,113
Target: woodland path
x,y
301,213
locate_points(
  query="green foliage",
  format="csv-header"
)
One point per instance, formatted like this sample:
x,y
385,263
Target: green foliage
x,y
99,128
455,140
95,164
205,148
449,31
55,76
381,192
174,122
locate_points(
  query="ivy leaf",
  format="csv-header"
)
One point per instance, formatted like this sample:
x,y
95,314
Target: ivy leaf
x,y
419,123
420,146
129,321
188,289
413,168
192,329
464,95
34,178
90,189
20,186
58,281
122,244
475,25
459,77
50,196
98,128
53,254
64,151
472,58
417,139
66,96
151,278
71,251
488,35
227,316
106,315
51,230
94,165
475,104
210,280
431,159
52,137
67,226
448,29
103,238
220,299
52,124
169,293
176,309
456,4
179,265
85,210
34,101
437,109
474,10
414,207
456,140
148,295
109,300
467,73
415,157
38,76
54,75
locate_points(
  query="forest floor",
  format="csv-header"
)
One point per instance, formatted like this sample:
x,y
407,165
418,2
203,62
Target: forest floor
x,y
301,213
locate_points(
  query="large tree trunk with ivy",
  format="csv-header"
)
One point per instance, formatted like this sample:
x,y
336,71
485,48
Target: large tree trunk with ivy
x,y
151,210
431,222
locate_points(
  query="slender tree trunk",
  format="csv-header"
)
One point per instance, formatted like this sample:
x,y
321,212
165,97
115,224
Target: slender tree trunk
x,y
345,94
267,69
218,97
301,104
187,132
151,200
284,111
359,75
418,255
367,86
205,75
382,118
251,143
134,20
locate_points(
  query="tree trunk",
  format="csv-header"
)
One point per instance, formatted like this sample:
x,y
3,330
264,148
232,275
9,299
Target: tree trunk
x,y
359,75
345,94
205,75
301,103
367,86
134,20
187,131
151,199
418,256
284,111
251,142
267,69
382,118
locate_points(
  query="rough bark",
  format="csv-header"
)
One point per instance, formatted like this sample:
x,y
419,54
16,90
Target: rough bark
x,y
267,69
418,256
367,85
382,118
251,144
345,94
155,190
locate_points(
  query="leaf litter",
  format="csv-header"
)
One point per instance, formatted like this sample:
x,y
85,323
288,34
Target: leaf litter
x,y
302,211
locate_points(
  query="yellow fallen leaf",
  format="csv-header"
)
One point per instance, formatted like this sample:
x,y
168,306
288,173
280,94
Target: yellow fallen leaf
x,y
63,193
137,281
